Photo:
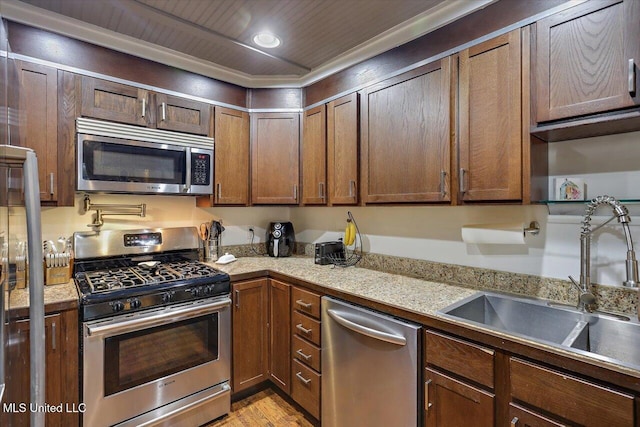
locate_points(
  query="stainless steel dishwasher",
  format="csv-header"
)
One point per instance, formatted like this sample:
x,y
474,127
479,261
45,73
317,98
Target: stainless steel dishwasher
x,y
369,367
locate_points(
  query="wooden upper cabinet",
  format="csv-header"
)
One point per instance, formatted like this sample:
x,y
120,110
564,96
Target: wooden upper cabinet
x,y
490,120
586,59
314,156
182,115
231,157
116,102
38,107
342,150
275,158
405,131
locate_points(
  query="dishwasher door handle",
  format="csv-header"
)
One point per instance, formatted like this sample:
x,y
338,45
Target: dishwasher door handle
x,y
365,330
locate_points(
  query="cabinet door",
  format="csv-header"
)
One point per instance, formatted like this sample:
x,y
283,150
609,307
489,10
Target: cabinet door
x,y
406,137
490,151
279,334
342,150
314,156
116,102
586,59
61,381
231,157
275,158
182,115
250,340
38,106
451,403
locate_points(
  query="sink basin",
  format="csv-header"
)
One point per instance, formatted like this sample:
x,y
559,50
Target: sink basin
x,y
614,339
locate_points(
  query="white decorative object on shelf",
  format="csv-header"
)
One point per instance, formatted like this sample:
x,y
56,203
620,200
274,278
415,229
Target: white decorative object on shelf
x,y
569,189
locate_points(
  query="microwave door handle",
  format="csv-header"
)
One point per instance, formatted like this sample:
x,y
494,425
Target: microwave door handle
x,y
187,184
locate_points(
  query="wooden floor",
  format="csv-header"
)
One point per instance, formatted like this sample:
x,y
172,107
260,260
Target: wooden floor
x,y
265,408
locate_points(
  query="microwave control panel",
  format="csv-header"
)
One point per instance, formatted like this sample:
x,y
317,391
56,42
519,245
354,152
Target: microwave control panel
x,y
200,169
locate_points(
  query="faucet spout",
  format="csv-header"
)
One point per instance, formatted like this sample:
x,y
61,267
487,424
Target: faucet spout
x,y
622,214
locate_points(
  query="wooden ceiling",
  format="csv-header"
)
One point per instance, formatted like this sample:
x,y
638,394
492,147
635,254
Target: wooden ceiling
x,y
317,35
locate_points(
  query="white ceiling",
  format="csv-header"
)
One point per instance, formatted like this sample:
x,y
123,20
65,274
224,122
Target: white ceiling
x,y
214,37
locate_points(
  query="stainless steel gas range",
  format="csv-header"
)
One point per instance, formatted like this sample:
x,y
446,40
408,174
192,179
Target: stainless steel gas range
x,y
155,329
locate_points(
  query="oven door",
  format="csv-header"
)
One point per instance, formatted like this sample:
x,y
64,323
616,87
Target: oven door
x,y
141,362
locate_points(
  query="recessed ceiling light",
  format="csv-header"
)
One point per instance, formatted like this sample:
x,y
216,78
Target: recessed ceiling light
x,y
267,40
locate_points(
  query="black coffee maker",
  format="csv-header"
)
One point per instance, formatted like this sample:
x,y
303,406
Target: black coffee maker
x,y
281,239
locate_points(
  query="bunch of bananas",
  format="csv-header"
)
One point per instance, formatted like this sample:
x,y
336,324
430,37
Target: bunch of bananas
x,y
349,233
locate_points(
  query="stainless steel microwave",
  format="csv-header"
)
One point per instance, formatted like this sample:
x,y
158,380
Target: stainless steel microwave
x,y
116,158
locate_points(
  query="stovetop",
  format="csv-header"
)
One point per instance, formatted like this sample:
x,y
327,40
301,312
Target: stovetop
x,y
118,272
122,278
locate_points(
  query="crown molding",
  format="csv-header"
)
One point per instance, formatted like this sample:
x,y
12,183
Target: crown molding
x,y
441,15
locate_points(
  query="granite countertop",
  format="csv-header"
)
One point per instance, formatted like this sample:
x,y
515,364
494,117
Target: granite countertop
x,y
416,295
406,293
64,296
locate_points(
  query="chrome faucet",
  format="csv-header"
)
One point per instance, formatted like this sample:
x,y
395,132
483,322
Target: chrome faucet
x,y
586,299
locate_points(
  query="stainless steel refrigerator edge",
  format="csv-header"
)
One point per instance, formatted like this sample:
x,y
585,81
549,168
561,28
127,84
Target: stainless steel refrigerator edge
x,y
18,157
370,365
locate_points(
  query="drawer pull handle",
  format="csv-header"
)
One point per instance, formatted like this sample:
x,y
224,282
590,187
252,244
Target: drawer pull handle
x,y
303,329
514,422
305,356
304,304
144,107
443,189
632,77
164,111
303,379
462,186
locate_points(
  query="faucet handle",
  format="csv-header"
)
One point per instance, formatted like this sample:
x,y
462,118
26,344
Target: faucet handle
x,y
576,284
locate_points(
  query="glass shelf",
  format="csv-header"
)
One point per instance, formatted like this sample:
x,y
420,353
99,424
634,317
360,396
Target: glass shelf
x,y
577,207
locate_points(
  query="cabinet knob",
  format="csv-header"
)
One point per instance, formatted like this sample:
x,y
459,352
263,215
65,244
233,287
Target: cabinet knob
x,y
514,422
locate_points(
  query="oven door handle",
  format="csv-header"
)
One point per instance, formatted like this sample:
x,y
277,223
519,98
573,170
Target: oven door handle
x,y
151,320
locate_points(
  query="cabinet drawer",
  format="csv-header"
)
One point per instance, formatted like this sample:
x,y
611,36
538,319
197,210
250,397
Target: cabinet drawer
x,y
469,360
305,388
306,302
306,327
306,352
550,391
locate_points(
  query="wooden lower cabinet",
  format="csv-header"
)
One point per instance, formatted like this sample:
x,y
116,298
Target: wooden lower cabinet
x,y
552,391
305,349
279,334
453,403
249,333
62,373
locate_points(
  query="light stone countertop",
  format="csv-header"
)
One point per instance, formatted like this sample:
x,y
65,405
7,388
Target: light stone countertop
x,y
407,293
415,295
65,294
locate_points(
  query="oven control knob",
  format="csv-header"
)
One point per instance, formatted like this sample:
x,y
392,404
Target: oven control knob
x,y
166,297
117,306
207,290
196,292
135,303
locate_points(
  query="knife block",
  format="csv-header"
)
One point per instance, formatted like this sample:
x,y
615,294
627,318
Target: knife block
x,y
57,275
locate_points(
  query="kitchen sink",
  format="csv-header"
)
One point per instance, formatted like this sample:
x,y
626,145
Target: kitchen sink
x,y
608,337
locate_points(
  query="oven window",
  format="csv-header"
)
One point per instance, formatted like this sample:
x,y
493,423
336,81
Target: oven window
x,y
104,161
142,356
